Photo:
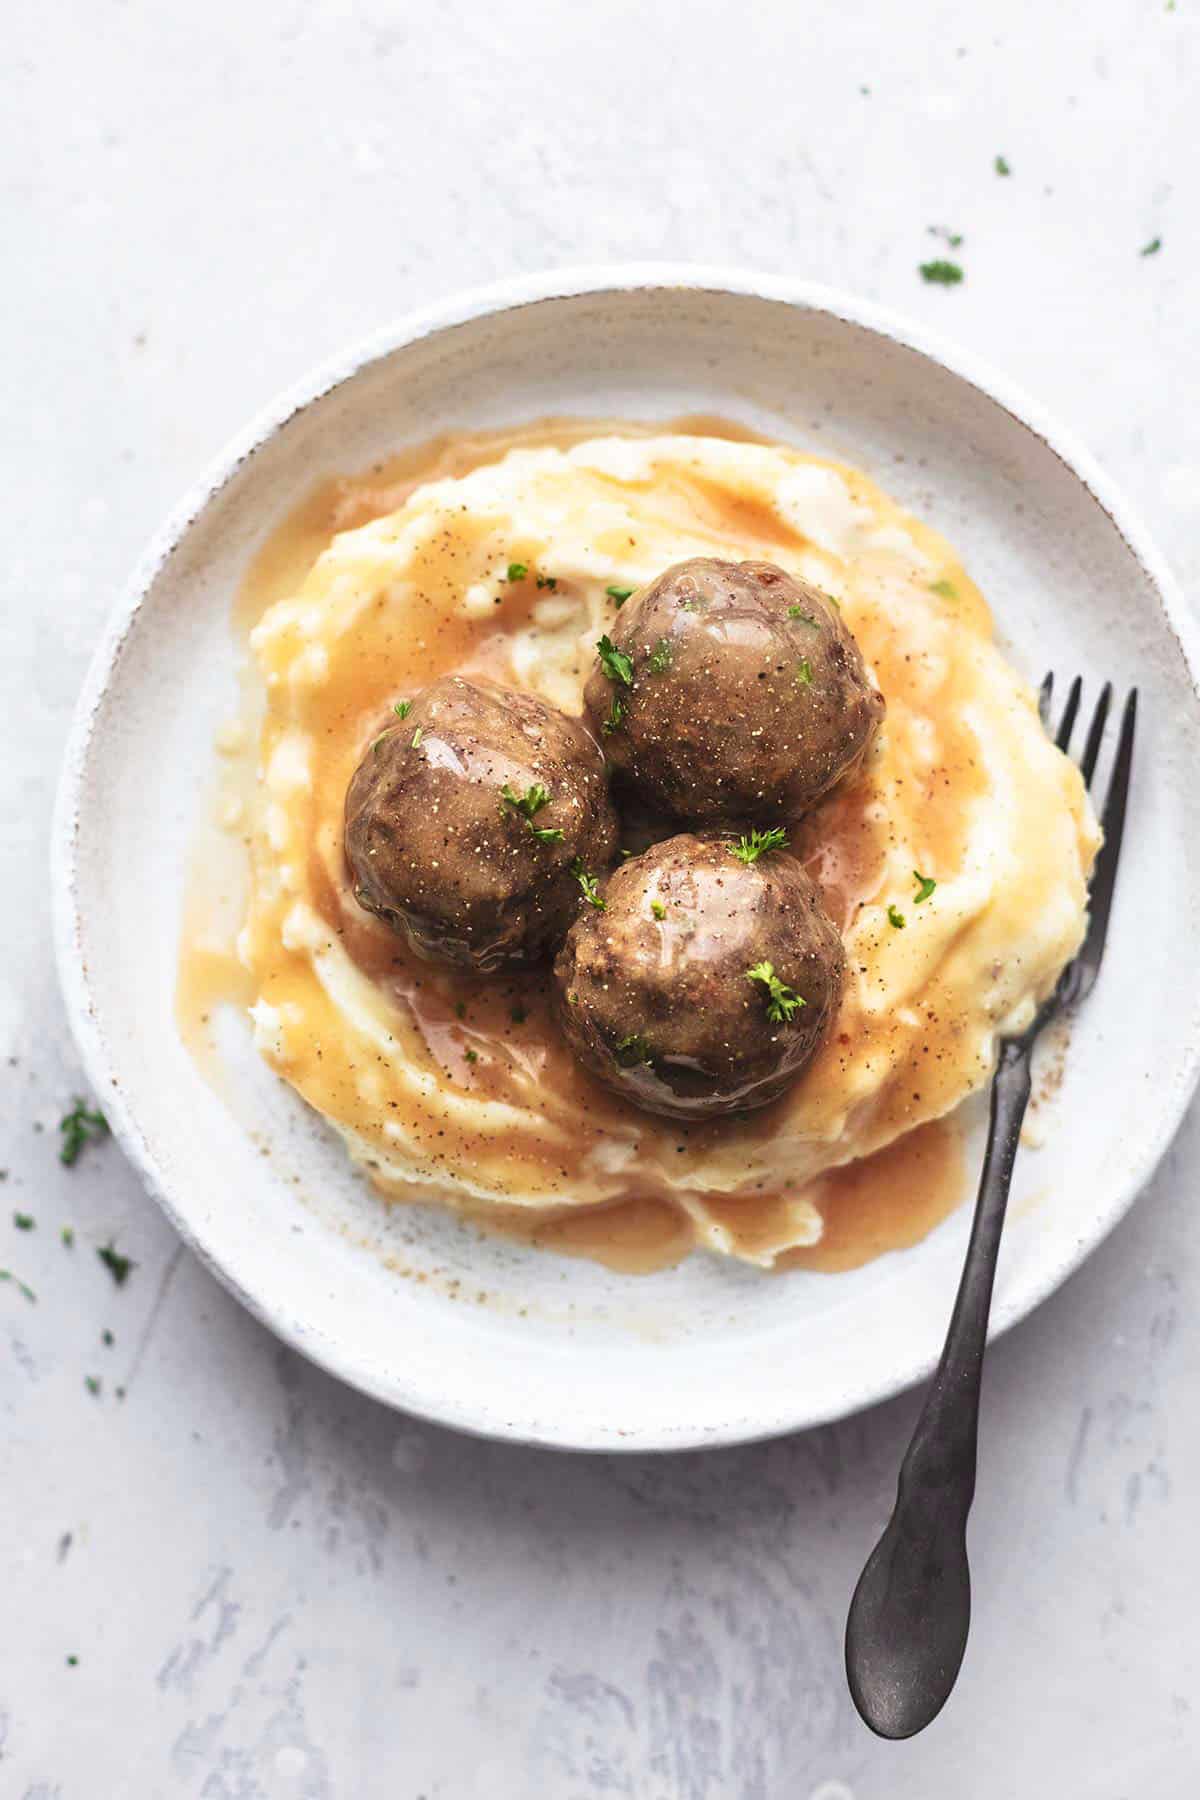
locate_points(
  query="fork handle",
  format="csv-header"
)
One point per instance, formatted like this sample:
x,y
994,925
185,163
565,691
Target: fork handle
x,y
946,1413
908,1622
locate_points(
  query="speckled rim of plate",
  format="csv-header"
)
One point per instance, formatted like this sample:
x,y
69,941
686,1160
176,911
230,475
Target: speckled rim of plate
x,y
460,309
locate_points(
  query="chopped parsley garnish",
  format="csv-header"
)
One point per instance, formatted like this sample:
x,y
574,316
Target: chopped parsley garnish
x,y
659,659
782,1001
24,1221
945,588
616,713
616,665
72,1662
107,1338
798,612
836,604
417,735
460,1009
619,594
1002,166
804,672
402,708
925,886
1152,248
588,885
896,918
632,1051
82,1125
760,843
941,272
548,581
21,1286
68,1236
472,1056
529,804
518,1015
953,238
517,571
92,1384
658,909
117,1265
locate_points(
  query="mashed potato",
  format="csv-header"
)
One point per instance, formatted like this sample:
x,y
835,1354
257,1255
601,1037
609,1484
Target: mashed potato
x,y
454,1089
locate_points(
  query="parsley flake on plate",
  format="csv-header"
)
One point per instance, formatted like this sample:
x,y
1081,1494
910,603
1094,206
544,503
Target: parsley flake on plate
x,y
618,593
941,273
760,843
616,665
925,886
528,805
782,1001
896,918
588,885
82,1125
118,1266
616,713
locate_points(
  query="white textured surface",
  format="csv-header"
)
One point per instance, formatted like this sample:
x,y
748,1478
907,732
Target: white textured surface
x,y
275,1588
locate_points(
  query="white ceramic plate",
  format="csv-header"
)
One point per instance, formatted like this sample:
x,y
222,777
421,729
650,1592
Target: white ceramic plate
x,y
507,1341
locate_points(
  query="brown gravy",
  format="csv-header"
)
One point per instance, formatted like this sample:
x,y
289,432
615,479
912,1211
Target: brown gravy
x,y
884,1202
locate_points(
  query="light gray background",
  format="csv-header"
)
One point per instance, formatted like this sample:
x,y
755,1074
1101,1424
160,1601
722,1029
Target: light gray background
x,y
275,1588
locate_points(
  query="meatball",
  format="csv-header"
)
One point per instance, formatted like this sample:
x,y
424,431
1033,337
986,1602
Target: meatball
x,y
706,983
732,691
473,825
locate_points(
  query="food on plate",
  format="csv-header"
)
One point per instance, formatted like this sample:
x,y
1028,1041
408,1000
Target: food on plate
x,y
469,817
732,690
488,587
705,979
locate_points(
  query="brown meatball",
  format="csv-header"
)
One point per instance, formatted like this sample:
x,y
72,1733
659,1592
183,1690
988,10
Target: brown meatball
x,y
736,693
706,983
469,823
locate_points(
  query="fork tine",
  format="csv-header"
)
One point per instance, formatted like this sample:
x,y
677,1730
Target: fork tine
x,y
1070,710
1095,735
1104,875
1045,695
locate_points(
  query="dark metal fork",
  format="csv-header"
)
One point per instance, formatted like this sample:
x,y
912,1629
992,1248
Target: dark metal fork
x,y
911,1610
